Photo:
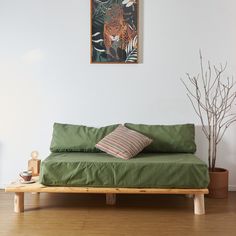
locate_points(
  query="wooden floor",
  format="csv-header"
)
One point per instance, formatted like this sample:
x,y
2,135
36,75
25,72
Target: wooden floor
x,y
87,214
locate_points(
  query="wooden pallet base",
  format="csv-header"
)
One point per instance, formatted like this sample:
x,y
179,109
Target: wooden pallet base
x,y
19,190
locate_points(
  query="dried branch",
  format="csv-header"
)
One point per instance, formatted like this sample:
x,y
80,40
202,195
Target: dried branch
x,y
212,100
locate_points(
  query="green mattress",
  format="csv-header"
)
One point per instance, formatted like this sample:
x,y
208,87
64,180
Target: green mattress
x,y
147,170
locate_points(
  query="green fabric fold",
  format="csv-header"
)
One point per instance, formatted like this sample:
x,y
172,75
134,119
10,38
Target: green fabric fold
x,y
144,171
77,138
168,138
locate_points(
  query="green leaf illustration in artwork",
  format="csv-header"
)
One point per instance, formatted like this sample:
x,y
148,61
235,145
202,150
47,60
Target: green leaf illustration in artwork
x,y
99,51
100,11
133,56
131,50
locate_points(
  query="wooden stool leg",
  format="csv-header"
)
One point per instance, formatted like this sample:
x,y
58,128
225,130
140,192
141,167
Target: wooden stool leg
x,y
19,202
111,199
199,205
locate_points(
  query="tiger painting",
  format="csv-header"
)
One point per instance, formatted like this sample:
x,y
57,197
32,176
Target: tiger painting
x,y
114,31
117,33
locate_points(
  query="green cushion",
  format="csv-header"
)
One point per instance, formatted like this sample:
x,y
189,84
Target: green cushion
x,y
168,138
147,170
77,138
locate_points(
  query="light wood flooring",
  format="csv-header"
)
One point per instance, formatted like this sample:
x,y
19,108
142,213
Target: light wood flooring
x,y
87,214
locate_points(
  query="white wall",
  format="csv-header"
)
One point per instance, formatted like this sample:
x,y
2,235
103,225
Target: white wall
x,y
45,75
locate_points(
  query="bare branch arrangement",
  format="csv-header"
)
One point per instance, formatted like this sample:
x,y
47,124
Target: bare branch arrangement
x,y
212,96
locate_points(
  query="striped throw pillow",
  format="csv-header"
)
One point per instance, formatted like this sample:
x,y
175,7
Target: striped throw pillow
x,y
123,143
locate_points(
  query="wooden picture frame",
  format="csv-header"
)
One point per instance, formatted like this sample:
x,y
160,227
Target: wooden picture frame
x,y
114,36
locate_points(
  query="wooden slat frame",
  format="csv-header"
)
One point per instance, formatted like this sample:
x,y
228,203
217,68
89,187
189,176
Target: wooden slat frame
x,y
37,187
19,190
45,189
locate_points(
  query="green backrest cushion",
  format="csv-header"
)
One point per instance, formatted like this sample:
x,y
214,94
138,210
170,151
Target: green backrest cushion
x,y
77,138
168,138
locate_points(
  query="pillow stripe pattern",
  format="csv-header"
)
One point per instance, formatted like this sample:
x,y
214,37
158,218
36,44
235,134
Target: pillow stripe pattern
x,y
119,138
123,143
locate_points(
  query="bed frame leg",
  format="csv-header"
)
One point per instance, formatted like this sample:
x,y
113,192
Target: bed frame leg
x,y
111,199
19,202
199,205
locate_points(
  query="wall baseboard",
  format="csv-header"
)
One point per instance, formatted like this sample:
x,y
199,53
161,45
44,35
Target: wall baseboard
x,y
232,188
2,186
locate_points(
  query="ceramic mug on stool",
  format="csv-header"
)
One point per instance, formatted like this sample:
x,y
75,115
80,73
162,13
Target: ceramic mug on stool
x,y
26,175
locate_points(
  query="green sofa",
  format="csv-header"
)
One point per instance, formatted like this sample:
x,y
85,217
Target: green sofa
x,y
167,166
168,162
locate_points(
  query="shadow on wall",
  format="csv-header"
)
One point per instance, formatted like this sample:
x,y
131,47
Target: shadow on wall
x,y
201,142
202,149
141,30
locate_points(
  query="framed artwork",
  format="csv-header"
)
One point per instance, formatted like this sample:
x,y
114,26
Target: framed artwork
x,y
114,31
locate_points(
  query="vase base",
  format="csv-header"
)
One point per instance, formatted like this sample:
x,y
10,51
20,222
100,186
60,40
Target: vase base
x,y
218,187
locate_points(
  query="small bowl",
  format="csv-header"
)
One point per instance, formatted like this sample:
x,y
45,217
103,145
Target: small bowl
x,y
26,175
